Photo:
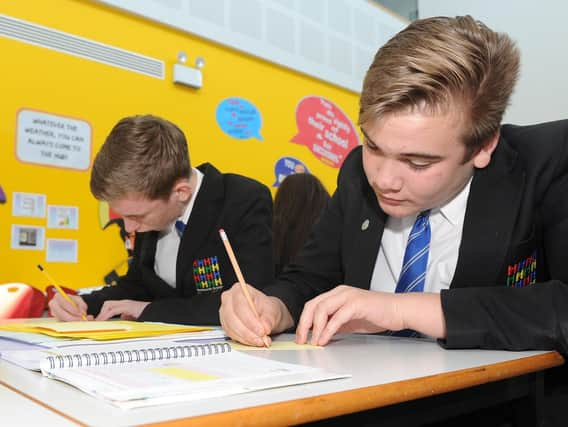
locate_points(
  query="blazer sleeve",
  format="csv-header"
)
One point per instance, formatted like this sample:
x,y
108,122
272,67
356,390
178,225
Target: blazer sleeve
x,y
319,265
129,286
554,212
196,310
531,318
251,239
534,317
248,222
140,283
322,262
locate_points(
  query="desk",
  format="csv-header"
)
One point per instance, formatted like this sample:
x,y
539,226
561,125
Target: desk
x,y
386,371
18,410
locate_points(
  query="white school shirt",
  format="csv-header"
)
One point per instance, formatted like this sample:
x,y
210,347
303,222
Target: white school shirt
x,y
168,241
446,227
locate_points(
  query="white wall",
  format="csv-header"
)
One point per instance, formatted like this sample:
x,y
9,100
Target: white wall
x,y
541,32
332,40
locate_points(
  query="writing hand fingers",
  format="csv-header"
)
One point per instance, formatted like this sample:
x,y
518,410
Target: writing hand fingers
x,y
305,322
238,320
326,312
320,311
109,310
63,310
340,317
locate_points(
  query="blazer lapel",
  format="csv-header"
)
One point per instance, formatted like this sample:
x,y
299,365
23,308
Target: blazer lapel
x,y
367,231
148,242
364,225
491,212
201,221
147,255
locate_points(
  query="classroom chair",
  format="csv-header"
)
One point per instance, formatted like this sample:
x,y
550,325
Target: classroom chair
x,y
19,300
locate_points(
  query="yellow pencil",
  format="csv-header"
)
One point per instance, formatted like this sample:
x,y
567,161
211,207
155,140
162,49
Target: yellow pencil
x,y
240,277
60,289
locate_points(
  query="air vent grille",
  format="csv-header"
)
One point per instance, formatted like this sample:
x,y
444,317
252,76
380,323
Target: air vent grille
x,y
78,46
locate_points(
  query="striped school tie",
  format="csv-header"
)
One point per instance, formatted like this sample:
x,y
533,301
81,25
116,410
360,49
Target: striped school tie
x,y
413,273
180,226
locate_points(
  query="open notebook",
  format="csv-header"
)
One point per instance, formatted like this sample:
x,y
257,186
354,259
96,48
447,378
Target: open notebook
x,y
137,377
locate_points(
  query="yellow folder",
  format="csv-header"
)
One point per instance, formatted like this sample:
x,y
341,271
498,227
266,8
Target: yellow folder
x,y
101,330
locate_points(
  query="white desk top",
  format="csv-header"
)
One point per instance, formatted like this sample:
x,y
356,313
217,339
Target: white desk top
x,y
18,410
371,360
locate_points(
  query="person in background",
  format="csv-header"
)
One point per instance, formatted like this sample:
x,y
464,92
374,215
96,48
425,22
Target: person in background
x,y
180,266
445,221
298,204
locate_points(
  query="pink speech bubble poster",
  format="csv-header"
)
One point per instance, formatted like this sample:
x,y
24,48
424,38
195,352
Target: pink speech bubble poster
x,y
325,130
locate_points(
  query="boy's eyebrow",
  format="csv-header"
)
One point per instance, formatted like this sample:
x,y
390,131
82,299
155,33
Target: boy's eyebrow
x,y
425,156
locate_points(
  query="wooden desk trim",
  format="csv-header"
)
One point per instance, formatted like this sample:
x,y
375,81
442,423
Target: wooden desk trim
x,y
346,402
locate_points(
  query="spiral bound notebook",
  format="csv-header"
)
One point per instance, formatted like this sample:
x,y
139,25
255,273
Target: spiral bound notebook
x,y
137,377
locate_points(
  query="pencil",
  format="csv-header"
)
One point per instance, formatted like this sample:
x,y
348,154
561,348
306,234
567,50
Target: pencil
x,y
240,278
60,289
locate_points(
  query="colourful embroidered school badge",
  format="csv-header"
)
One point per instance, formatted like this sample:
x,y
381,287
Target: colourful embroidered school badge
x,y
206,274
523,273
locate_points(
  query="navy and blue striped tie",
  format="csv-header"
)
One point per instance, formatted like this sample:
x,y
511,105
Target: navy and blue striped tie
x,y
180,226
413,274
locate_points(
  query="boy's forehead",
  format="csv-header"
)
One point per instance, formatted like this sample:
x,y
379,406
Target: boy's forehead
x,y
411,118
133,204
416,132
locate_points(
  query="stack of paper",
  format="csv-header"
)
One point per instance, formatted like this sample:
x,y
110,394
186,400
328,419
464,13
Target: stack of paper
x,y
133,364
104,330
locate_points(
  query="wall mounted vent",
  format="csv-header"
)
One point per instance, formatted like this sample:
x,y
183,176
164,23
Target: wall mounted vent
x,y
49,38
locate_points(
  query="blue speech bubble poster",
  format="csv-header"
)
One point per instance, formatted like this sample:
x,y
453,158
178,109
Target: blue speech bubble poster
x,y
239,118
287,166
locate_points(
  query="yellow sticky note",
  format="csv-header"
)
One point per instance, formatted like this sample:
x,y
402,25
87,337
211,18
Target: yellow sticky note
x,y
185,374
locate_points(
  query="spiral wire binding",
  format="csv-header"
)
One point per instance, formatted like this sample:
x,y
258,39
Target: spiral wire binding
x,y
136,356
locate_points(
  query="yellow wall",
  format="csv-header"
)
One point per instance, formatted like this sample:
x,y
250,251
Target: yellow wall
x,y
41,79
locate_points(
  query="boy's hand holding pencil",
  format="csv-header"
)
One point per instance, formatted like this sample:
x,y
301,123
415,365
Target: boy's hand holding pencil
x,y
65,307
242,283
247,315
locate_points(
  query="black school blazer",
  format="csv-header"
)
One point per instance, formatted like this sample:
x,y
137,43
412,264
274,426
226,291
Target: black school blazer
x,y
239,205
515,235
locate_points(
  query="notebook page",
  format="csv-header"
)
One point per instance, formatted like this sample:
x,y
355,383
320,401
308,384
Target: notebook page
x,y
189,379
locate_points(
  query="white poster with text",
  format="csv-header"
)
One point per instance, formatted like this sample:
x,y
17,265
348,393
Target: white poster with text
x,y
48,139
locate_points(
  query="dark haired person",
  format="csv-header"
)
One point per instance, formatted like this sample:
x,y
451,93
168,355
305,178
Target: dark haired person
x,y
180,265
298,204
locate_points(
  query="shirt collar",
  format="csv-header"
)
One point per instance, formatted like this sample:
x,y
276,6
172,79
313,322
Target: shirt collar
x,y
453,211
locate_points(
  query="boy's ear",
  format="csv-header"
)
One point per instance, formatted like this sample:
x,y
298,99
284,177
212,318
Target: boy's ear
x,y
483,157
182,190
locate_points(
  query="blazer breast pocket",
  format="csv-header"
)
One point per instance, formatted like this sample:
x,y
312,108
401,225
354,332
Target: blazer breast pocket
x,y
522,263
207,275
